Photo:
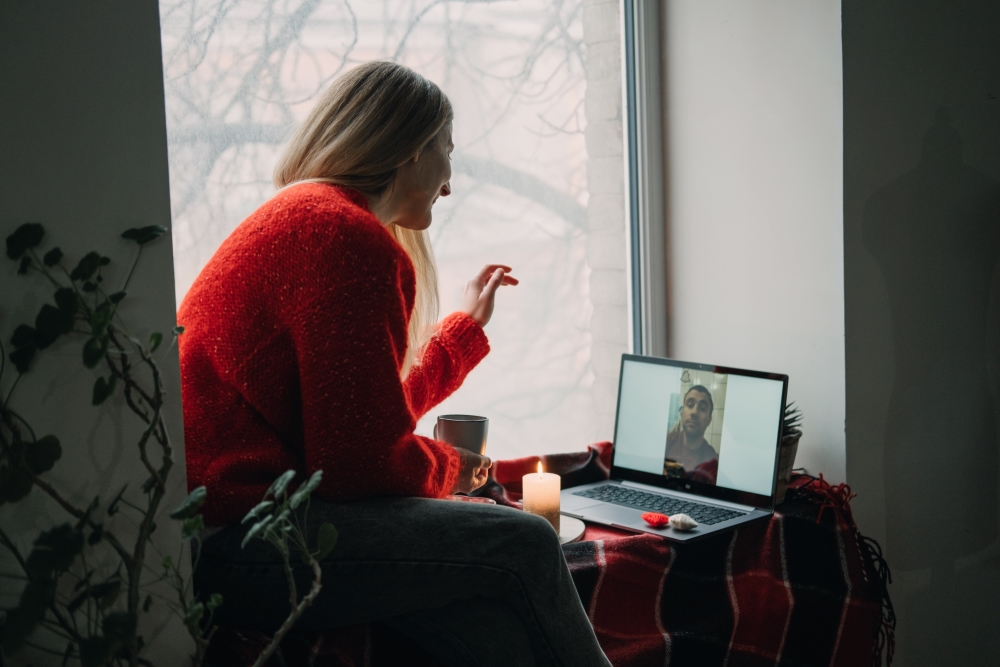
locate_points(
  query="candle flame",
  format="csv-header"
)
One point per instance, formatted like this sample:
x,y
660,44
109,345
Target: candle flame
x,y
539,468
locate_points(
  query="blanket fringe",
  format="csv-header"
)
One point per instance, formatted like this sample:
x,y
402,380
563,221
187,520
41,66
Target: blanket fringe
x,y
818,490
885,641
838,498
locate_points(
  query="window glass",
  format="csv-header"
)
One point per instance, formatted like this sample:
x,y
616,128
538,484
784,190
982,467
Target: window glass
x,y
536,88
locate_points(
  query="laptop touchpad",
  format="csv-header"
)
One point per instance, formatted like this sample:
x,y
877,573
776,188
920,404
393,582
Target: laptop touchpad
x,y
573,503
608,513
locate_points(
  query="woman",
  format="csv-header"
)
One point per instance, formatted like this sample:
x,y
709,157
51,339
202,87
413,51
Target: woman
x,y
305,347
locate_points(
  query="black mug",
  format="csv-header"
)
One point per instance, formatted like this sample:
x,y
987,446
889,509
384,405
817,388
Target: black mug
x,y
465,431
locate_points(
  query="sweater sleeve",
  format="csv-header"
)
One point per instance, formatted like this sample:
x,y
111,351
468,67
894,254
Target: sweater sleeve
x,y
357,425
457,346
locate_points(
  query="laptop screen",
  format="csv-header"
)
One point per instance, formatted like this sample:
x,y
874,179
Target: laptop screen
x,y
700,428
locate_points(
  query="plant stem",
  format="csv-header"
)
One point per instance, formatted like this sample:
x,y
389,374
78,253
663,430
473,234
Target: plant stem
x,y
11,392
297,611
132,270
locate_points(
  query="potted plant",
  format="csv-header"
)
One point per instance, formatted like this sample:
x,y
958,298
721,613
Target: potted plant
x,y
791,433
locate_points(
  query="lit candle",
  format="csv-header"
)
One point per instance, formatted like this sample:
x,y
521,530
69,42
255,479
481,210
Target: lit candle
x,y
541,495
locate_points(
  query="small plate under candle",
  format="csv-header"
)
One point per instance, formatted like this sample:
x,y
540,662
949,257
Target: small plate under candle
x,y
570,529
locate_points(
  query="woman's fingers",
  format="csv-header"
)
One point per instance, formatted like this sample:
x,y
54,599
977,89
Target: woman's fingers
x,y
487,272
492,284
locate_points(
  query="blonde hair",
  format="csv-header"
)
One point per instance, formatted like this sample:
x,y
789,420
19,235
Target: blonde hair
x,y
366,125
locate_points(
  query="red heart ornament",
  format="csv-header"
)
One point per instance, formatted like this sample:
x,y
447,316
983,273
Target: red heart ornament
x,y
656,519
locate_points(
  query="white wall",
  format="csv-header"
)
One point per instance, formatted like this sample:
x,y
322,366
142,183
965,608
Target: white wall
x,y
754,158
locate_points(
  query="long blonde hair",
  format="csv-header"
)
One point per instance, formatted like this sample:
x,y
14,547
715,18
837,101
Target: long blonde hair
x,y
367,124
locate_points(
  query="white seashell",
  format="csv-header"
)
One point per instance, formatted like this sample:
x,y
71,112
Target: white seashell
x,y
682,522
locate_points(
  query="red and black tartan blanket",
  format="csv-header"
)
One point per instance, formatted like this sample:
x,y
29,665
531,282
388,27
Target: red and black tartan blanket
x,y
805,588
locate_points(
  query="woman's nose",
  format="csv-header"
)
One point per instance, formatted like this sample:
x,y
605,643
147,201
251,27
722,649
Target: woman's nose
x,y
446,189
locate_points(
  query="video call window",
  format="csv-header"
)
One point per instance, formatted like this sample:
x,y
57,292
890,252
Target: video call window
x,y
694,426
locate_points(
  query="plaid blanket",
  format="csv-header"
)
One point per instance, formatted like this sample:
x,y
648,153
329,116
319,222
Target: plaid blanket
x,y
802,589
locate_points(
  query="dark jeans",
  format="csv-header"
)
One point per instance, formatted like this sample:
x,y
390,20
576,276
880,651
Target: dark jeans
x,y
473,584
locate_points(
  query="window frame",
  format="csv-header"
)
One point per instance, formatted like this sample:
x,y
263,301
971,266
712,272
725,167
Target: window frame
x,y
646,234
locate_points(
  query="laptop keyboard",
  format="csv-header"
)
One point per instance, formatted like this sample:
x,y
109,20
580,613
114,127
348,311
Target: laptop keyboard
x,y
655,502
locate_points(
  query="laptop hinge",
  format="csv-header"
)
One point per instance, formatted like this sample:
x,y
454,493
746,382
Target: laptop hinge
x,y
690,496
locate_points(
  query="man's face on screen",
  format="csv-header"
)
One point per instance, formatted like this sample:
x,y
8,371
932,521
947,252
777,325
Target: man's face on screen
x,y
696,413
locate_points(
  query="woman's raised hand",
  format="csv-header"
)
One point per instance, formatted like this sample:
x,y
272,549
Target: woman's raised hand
x,y
479,294
473,472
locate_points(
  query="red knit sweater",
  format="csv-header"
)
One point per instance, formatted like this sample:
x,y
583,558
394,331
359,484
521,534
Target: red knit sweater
x,y
294,336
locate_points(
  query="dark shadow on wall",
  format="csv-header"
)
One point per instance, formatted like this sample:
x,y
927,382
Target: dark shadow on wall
x,y
922,313
935,234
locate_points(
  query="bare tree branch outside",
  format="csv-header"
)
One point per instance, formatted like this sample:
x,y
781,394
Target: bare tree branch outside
x,y
240,74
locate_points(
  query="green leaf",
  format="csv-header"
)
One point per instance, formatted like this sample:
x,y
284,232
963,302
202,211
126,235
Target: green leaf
x,y
306,489
26,236
50,324
255,530
24,335
144,235
280,484
194,614
168,563
43,454
94,350
154,340
22,269
86,267
192,527
120,626
191,504
66,300
21,357
103,389
52,257
15,484
54,551
100,319
178,330
327,540
257,510
214,601
117,296
96,651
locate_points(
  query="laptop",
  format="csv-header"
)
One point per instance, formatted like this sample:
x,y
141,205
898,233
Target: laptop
x,y
692,439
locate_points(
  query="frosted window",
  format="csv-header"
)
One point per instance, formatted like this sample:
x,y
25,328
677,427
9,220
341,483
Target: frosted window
x,y
523,77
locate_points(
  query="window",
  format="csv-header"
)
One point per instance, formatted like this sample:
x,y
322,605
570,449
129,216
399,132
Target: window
x,y
536,86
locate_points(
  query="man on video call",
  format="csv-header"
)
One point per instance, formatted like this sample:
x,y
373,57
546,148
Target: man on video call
x,y
686,442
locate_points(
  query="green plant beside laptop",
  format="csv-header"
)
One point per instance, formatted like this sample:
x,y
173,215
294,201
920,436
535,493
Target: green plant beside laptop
x,y
86,584
791,432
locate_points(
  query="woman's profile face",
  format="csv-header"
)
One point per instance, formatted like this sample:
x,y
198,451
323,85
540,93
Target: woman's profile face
x,y
419,182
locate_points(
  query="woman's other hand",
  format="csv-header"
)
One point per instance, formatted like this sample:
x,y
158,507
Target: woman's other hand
x,y
479,294
473,472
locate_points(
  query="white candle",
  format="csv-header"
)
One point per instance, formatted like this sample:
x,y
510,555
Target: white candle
x,y
541,495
